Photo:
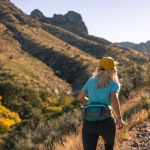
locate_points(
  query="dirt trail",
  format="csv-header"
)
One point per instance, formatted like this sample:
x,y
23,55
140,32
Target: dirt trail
x,y
139,138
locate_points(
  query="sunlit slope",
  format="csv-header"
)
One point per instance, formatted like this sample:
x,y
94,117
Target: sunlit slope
x,y
17,65
68,62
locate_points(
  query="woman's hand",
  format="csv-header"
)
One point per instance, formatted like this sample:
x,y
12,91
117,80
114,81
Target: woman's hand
x,y
120,124
116,107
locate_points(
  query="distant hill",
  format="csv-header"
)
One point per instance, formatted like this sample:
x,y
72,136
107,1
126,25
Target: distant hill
x,y
126,44
142,47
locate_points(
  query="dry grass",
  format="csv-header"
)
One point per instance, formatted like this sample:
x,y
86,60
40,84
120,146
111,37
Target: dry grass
x,y
71,140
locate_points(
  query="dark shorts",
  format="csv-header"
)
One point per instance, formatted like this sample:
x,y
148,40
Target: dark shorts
x,y
93,129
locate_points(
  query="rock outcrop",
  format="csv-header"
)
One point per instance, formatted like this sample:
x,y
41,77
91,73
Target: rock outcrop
x,y
59,18
37,14
71,21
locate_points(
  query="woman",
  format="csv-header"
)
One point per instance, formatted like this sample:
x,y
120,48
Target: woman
x,y
103,87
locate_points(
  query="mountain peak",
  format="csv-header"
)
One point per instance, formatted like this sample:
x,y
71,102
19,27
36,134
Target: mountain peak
x,y
71,21
73,17
37,14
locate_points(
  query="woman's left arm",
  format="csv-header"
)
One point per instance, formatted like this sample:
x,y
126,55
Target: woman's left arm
x,y
82,97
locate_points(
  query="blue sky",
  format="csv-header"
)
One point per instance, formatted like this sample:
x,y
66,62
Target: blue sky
x,y
114,20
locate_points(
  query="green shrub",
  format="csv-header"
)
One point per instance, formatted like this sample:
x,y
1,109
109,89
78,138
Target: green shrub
x,y
32,97
145,104
10,92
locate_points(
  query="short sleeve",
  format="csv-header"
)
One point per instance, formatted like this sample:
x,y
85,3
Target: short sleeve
x,y
85,87
115,87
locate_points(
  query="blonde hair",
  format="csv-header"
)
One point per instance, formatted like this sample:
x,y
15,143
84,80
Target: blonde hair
x,y
105,76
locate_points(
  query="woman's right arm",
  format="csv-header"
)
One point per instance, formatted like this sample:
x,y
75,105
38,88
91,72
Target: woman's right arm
x,y
116,107
82,97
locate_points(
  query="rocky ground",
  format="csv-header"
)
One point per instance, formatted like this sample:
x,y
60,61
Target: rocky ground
x,y
139,138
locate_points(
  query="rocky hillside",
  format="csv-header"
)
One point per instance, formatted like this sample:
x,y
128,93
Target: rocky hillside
x,y
71,21
142,47
19,66
68,62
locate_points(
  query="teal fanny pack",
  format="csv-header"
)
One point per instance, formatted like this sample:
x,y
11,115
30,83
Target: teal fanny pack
x,y
96,111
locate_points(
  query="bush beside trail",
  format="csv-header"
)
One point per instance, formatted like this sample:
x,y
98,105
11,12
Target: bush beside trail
x,y
43,116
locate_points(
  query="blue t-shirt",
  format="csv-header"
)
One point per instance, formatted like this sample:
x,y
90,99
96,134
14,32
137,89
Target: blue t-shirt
x,y
99,94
